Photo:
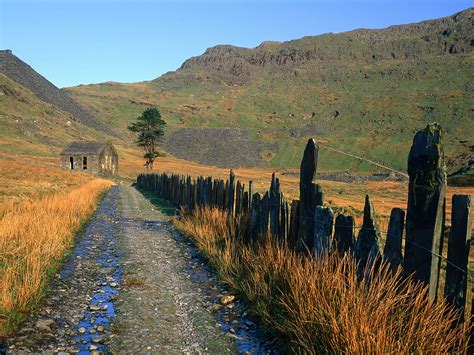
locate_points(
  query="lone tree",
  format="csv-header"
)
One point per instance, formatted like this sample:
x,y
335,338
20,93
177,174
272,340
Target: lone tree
x,y
150,129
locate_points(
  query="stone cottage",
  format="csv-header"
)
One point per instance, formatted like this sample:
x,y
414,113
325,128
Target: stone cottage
x,y
97,158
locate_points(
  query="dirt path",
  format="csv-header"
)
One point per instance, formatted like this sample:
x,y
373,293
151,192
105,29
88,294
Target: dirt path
x,y
133,284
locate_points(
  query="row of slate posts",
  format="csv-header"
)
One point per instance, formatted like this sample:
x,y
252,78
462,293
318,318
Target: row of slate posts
x,y
309,227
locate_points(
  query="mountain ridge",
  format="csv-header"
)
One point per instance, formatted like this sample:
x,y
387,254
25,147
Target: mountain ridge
x,y
441,36
14,68
362,91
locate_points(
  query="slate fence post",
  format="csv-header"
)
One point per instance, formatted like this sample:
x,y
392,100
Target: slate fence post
x,y
458,253
426,207
307,201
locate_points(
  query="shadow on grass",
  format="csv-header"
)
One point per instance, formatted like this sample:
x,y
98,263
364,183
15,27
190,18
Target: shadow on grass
x,y
162,205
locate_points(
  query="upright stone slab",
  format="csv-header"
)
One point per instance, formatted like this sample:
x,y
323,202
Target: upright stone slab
x,y
255,213
188,192
426,207
231,192
209,191
264,216
283,218
343,241
323,225
250,194
392,251
318,195
274,206
226,196
238,198
307,202
294,223
221,195
366,248
458,253
245,202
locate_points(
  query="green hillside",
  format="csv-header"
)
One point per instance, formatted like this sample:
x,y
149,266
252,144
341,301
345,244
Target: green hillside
x,y
364,92
30,126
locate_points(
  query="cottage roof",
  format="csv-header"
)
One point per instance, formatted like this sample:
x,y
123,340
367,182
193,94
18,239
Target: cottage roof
x,y
84,147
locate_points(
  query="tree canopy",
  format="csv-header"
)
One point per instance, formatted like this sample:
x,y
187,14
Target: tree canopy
x,y
150,129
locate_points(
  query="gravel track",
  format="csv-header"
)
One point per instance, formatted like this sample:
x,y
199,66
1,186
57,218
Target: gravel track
x,y
133,284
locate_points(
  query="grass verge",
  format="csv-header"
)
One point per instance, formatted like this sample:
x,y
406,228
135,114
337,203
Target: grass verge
x,y
34,236
318,305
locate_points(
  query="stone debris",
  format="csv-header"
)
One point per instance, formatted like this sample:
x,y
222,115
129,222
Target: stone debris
x,y
226,299
44,324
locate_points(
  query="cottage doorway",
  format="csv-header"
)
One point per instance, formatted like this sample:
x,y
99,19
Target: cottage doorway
x,y
71,163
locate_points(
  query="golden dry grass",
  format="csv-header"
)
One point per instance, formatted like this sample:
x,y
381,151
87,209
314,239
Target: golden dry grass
x,y
29,179
318,306
42,209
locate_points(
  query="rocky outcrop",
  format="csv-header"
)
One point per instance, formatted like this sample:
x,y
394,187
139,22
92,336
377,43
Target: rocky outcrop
x,y
445,36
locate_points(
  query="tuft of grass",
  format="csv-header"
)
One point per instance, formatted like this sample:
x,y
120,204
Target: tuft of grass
x,y
34,236
318,305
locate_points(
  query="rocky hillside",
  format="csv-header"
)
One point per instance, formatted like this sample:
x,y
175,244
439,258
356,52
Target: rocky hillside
x,y
364,92
15,69
450,35
36,118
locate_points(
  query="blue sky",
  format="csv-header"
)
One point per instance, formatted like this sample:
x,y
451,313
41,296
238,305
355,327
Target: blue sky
x,y
73,42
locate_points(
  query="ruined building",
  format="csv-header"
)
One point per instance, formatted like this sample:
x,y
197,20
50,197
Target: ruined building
x,y
97,158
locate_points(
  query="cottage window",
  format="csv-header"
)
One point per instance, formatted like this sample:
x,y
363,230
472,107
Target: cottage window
x,y
84,163
71,163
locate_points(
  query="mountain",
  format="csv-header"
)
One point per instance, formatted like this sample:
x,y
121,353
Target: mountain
x,y
364,92
15,69
450,35
36,118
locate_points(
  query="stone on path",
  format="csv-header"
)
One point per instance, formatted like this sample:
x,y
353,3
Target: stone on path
x,y
44,324
226,299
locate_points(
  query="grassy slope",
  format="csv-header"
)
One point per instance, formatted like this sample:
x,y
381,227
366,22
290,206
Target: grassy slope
x,y
31,126
380,103
33,131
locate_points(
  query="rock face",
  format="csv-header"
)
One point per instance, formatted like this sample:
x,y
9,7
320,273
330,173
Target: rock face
x,y
426,206
17,70
448,35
